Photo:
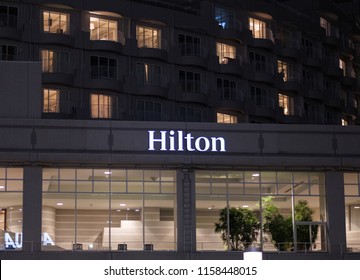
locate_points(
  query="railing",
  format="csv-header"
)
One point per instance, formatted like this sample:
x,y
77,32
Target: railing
x,y
263,33
228,93
152,42
263,67
107,34
156,80
104,72
51,66
229,23
193,50
290,42
194,86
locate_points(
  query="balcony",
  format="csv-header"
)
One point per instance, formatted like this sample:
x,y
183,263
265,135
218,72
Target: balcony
x,y
261,72
232,66
9,27
160,52
311,57
59,78
263,39
266,107
332,36
288,47
229,29
59,38
331,67
192,91
193,56
230,98
290,83
158,87
331,97
313,90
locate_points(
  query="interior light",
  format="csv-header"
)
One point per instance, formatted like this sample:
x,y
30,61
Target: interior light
x,y
59,204
255,175
92,26
210,208
91,246
107,172
122,204
137,210
245,206
20,209
2,187
357,207
118,210
128,209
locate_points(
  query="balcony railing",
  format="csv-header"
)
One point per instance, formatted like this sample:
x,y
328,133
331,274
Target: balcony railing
x,y
103,72
263,33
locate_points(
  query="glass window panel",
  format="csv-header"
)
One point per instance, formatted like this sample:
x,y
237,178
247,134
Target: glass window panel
x,y
168,175
151,187
101,186
252,176
152,175
14,185
67,174
301,189
136,187
284,177
268,177
314,189
14,173
301,177
135,175
117,186
2,173
83,186
168,187
252,188
268,188
84,174
118,175
67,186
284,188
236,188
351,178
2,186
352,190
219,188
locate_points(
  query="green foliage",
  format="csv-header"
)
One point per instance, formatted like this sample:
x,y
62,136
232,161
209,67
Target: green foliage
x,y
280,228
243,227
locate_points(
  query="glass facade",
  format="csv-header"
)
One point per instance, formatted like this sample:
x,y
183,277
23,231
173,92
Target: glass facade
x,y
277,211
102,209
352,211
11,204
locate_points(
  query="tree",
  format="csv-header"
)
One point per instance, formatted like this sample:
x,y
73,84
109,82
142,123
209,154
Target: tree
x,y
280,229
243,228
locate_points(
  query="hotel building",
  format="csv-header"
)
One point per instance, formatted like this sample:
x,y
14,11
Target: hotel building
x,y
128,127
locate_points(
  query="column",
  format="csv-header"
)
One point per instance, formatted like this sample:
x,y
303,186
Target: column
x,y
32,205
335,206
186,211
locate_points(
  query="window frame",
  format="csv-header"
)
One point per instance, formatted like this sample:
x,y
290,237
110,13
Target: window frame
x,y
102,109
60,28
107,36
156,39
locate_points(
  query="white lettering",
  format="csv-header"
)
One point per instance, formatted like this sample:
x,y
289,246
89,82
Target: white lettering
x,y
198,144
11,244
176,141
152,140
46,239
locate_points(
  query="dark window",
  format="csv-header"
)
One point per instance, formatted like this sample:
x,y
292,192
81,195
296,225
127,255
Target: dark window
x,y
148,74
226,89
190,81
258,61
189,45
148,110
8,16
262,98
189,114
103,67
8,52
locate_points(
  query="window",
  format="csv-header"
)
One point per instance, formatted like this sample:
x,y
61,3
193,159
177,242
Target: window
x,y
103,29
286,70
8,16
55,101
287,104
189,45
224,18
342,66
309,79
326,25
102,106
103,67
148,110
287,38
187,114
8,52
309,47
262,97
352,211
226,118
344,122
312,111
226,53
55,61
226,89
56,22
259,62
253,193
190,81
259,29
148,74
138,209
148,37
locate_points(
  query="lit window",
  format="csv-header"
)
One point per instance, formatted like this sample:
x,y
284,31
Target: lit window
x,y
103,29
326,25
55,61
103,67
148,37
226,89
225,118
287,104
148,74
55,101
224,18
226,53
102,106
344,122
284,70
259,30
342,66
187,114
148,110
56,22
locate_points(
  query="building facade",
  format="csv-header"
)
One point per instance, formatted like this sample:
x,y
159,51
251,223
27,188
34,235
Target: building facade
x,y
127,128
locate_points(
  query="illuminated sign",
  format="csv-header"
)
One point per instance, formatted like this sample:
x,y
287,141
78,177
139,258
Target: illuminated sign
x,y
16,242
179,141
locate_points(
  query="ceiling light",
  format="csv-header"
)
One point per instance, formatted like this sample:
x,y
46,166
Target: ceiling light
x,y
107,172
255,175
137,210
357,207
2,187
210,208
128,209
118,210
20,209
122,204
59,204
245,206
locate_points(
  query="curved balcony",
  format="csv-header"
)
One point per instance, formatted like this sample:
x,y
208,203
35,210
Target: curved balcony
x,y
348,81
311,57
290,83
195,56
103,45
159,52
157,87
266,109
232,66
288,48
262,72
331,67
229,29
57,39
263,39
192,91
229,98
105,84
313,91
10,33
58,78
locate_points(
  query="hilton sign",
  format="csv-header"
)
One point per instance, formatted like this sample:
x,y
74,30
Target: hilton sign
x,y
178,141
